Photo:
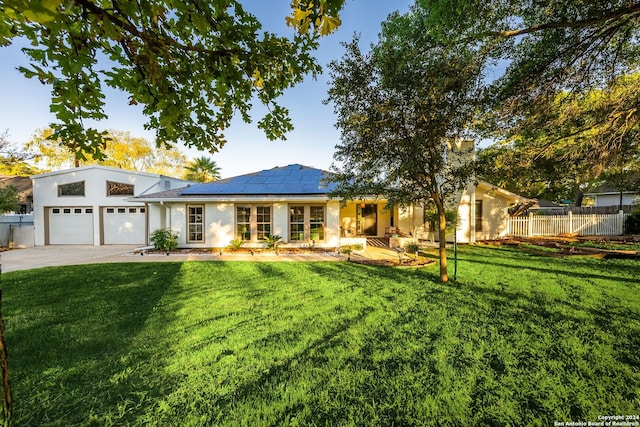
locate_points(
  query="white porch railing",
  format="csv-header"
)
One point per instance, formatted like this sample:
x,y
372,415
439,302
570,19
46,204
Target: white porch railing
x,y
570,224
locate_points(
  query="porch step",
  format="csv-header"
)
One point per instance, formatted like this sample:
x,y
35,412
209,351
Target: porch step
x,y
378,242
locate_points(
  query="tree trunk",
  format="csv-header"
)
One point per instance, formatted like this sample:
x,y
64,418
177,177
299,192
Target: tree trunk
x,y
442,237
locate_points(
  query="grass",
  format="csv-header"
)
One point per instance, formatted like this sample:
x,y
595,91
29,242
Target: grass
x,y
520,339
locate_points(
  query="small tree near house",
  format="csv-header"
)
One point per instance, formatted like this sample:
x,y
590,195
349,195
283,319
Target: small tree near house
x,y
9,199
404,111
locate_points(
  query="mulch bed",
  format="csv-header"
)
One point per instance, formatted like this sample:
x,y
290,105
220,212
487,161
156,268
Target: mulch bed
x,y
420,262
563,247
241,251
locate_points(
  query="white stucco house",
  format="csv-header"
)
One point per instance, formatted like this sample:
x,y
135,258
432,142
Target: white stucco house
x,y
99,205
293,202
93,205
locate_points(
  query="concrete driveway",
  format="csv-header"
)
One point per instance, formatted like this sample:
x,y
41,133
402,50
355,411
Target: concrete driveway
x,y
54,255
46,256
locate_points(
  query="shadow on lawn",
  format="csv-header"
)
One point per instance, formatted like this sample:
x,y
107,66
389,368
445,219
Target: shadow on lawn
x,y
553,265
322,326
75,351
327,379
413,297
619,319
85,361
312,353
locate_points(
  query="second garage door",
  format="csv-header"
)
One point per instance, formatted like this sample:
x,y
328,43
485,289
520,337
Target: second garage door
x,y
124,225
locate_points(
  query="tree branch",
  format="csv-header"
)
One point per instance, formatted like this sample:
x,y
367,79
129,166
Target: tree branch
x,y
613,15
150,38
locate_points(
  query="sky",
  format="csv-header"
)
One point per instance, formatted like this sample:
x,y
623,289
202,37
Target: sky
x,y
24,103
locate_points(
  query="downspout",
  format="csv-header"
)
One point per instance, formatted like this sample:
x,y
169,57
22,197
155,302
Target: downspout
x,y
146,222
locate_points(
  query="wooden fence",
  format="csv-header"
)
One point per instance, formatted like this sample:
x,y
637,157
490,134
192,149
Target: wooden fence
x,y
570,224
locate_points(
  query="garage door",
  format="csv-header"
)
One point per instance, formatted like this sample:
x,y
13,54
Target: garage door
x,y
124,225
70,226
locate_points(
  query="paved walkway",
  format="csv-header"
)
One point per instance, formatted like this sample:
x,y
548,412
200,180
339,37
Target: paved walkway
x,y
54,255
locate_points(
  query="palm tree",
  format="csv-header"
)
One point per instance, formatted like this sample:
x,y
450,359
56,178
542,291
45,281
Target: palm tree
x,y
202,169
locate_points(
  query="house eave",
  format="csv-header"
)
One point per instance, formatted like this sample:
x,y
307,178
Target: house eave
x,y
239,198
610,193
98,167
505,193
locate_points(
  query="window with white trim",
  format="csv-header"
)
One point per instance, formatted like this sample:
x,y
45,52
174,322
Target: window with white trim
x,y
253,222
478,215
243,222
263,222
307,223
296,223
316,223
195,223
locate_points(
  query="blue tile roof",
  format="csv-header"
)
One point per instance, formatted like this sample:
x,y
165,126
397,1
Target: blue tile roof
x,y
286,180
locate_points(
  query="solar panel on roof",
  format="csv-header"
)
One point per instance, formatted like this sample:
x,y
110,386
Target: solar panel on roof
x,y
292,179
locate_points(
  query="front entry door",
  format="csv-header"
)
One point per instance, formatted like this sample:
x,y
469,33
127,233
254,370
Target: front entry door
x,y
368,215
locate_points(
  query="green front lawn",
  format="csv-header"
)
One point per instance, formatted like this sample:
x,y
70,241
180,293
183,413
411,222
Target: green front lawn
x,y
521,339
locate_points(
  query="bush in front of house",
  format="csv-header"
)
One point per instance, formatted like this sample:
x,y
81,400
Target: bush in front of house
x,y
411,248
164,239
236,244
272,242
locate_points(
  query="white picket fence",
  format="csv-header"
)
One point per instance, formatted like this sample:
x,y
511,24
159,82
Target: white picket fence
x,y
570,224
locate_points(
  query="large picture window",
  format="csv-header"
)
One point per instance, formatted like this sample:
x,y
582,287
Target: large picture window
x,y
253,222
195,223
71,189
306,223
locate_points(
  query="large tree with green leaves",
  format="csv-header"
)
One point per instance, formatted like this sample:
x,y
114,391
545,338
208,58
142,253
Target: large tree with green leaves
x,y
121,150
9,199
546,49
192,65
399,108
569,146
14,161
